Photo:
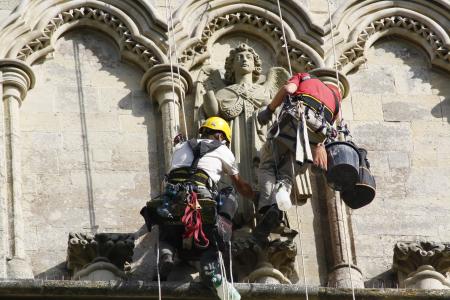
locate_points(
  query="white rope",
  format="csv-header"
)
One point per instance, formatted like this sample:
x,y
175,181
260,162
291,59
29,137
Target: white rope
x,y
231,264
344,221
300,234
225,287
334,54
182,93
157,267
172,110
284,38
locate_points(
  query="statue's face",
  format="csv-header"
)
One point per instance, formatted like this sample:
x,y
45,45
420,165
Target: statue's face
x,y
244,63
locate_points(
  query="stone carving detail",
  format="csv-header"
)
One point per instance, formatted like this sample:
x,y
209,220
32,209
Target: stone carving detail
x,y
251,19
273,264
84,249
408,256
424,265
142,52
415,27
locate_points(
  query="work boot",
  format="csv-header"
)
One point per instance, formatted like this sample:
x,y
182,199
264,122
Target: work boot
x,y
270,221
166,264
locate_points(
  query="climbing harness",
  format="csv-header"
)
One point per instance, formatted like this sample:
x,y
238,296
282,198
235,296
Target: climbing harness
x,y
303,117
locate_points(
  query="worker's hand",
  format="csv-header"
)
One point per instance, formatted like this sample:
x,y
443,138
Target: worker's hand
x,y
320,156
265,116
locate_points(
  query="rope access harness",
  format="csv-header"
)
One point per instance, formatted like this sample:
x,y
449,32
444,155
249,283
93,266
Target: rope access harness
x,y
300,108
293,169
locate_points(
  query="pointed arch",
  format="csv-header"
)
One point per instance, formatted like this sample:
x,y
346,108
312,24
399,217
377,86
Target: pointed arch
x,y
415,21
261,21
35,34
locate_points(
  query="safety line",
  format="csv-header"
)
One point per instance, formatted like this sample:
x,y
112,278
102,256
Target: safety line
x,y
172,110
157,267
182,92
344,219
284,37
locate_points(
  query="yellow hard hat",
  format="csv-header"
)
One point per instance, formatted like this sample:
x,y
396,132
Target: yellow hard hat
x,y
219,124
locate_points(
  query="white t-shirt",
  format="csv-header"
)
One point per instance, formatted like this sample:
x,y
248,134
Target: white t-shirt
x,y
213,163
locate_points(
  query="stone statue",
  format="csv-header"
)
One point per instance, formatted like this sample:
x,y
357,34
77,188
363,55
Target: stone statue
x,y
238,100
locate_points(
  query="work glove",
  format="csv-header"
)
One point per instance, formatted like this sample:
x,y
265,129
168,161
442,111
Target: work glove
x,y
320,156
265,116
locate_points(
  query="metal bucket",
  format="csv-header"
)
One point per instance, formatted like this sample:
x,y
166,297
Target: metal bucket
x,y
343,165
364,190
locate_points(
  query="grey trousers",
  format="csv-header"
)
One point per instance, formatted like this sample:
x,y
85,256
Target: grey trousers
x,y
278,165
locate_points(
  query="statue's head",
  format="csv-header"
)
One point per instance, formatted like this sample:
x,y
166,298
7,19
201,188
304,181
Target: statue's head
x,y
242,59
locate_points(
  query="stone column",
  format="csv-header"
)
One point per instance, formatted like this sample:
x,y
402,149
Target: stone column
x,y
343,266
167,92
18,78
422,265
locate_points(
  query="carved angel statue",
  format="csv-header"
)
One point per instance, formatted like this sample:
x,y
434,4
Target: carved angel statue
x,y
238,100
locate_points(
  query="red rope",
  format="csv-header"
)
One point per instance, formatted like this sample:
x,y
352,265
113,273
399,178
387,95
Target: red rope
x,y
192,221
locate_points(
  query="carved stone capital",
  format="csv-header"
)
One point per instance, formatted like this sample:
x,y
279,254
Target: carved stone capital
x,y
89,255
272,264
160,83
17,78
409,256
329,75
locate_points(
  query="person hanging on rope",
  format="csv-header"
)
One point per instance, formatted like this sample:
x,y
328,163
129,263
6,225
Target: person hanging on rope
x,y
310,107
197,166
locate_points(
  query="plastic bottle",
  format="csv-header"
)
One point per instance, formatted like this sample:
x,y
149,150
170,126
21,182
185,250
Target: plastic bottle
x,y
223,287
283,198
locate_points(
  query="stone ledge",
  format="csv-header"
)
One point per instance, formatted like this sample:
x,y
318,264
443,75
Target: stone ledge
x,y
65,289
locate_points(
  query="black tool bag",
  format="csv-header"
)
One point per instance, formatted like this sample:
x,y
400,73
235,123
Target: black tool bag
x,y
363,192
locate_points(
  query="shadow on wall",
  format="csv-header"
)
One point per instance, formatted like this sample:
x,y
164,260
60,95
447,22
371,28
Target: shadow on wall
x,y
413,95
94,57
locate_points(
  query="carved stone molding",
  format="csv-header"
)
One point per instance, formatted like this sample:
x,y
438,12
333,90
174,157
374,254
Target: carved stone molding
x,y
127,42
422,264
408,256
355,54
255,21
110,252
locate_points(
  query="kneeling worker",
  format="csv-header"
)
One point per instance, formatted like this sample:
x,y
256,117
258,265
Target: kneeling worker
x,y
197,166
280,160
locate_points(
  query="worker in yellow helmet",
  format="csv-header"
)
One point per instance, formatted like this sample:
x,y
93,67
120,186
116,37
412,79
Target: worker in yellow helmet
x,y
197,166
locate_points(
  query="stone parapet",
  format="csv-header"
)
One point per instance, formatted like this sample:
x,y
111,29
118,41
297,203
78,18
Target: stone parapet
x,y
64,289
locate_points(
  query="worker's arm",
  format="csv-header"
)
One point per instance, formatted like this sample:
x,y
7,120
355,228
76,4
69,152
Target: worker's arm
x,y
265,115
288,88
242,186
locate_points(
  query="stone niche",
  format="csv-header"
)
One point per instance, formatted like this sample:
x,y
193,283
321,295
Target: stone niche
x,y
103,256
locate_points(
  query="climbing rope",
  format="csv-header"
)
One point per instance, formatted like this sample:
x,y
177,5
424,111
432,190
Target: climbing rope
x,y
172,109
284,37
182,93
157,268
305,282
341,124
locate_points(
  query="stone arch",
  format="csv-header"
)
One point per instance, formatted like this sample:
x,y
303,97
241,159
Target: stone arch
x,y
425,29
253,20
55,21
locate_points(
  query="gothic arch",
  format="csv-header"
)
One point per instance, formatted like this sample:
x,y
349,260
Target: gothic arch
x,y
36,32
260,21
381,18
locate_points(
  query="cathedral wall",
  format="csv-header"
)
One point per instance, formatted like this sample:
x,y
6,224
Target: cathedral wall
x,y
91,152
89,147
400,112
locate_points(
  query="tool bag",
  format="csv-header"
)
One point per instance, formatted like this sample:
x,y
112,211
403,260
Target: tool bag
x,y
363,192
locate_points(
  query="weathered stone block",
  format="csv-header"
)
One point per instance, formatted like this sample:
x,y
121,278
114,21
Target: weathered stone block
x,y
367,107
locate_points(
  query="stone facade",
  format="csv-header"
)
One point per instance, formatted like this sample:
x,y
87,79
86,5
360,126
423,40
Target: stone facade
x,y
89,116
